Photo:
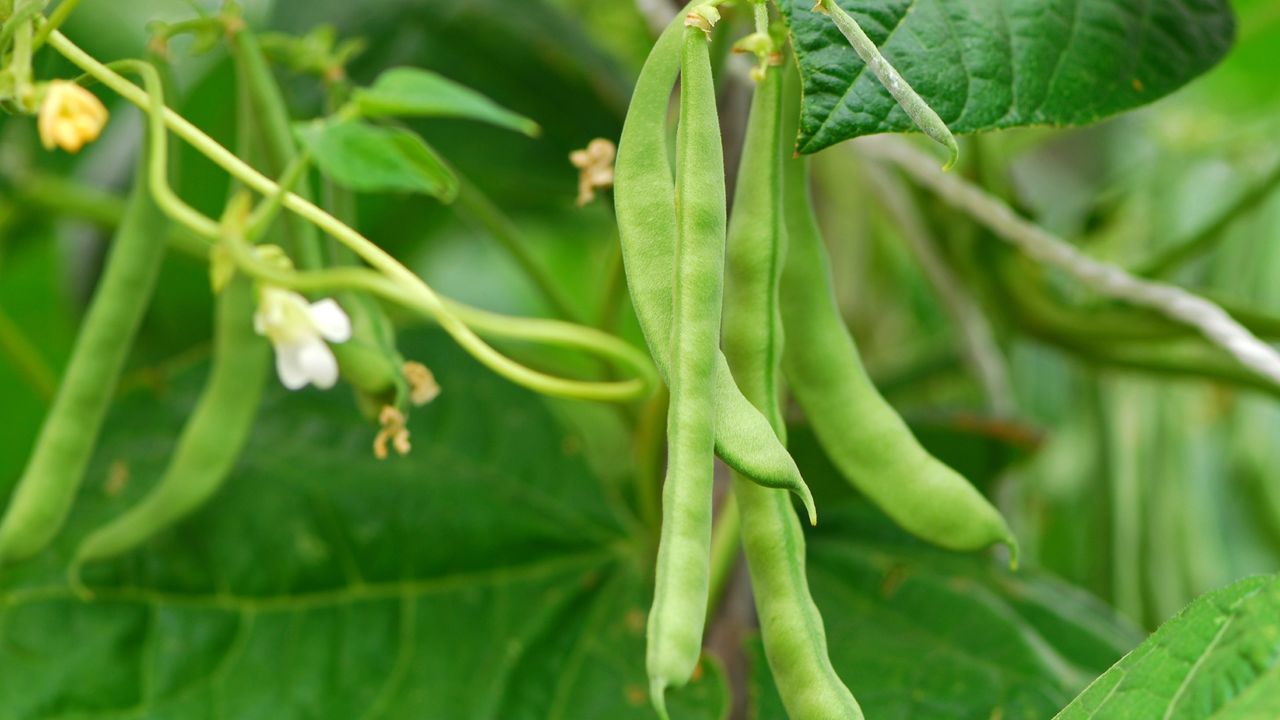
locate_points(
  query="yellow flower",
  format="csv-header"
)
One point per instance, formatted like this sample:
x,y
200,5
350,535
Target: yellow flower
x,y
70,116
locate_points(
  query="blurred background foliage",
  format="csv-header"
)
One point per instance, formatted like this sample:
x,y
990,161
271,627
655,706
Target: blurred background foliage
x,y
1143,488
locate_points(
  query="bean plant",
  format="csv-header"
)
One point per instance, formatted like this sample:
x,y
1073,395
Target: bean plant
x,y
372,410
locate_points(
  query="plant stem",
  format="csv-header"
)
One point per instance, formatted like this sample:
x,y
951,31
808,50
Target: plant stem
x,y
1204,240
56,18
650,452
26,359
726,543
1110,281
102,208
551,332
474,205
20,60
977,337
614,287
409,289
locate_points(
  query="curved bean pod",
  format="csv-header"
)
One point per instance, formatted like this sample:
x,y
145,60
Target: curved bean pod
x,y
44,494
865,438
212,438
794,638
644,193
678,615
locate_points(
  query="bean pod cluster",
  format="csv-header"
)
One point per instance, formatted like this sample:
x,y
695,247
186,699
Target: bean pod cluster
x,y
776,300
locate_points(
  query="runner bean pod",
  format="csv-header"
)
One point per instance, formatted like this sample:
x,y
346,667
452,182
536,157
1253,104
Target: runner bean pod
x,y
644,193
212,438
865,438
48,486
678,614
792,630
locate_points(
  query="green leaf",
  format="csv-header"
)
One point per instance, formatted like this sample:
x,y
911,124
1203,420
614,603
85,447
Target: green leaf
x,y
987,64
922,634
918,632
373,159
413,92
491,573
1219,658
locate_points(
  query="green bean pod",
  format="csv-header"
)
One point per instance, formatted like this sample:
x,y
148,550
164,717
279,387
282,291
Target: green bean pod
x,y
644,193
865,438
678,615
794,637
369,361
47,489
212,438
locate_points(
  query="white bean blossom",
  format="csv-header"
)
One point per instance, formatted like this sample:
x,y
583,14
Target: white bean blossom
x,y
299,330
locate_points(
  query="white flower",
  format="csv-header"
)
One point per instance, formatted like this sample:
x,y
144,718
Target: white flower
x,y
298,330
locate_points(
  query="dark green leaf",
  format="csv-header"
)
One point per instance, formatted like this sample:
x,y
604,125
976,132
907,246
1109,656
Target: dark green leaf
x,y
986,64
918,632
369,158
1219,658
491,573
413,92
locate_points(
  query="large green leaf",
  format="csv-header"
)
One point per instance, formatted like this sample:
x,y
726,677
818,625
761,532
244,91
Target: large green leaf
x,y
923,633
1219,658
985,64
490,574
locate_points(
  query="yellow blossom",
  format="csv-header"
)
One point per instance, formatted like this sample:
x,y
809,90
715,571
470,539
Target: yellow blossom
x,y
70,116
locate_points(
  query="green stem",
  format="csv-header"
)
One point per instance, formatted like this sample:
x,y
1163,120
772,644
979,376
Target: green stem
x,y
105,210
23,16
614,287
650,451
26,359
56,18
54,192
474,205
726,542
271,126
1037,315
1212,233
20,61
410,289
493,325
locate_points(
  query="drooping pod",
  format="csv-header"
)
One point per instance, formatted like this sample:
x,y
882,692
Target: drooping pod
x,y
678,614
790,625
48,486
644,192
212,438
863,435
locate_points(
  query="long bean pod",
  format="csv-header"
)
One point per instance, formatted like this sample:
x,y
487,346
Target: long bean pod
x,y
48,486
212,438
644,193
678,614
865,438
792,630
